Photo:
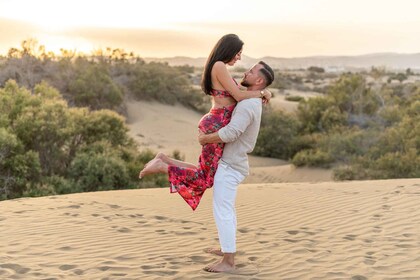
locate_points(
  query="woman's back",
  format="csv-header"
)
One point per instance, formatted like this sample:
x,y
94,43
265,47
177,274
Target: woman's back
x,y
220,96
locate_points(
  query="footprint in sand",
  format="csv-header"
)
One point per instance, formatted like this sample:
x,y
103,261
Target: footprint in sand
x,y
114,206
78,272
293,232
300,251
369,260
291,240
350,237
119,274
377,229
124,230
376,217
243,230
386,207
358,277
199,259
135,215
405,246
65,248
66,267
15,267
149,267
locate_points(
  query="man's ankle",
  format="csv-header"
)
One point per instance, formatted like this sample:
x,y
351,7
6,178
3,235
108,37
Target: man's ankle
x,y
229,258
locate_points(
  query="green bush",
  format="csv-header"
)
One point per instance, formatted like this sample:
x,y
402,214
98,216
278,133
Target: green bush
x,y
93,87
351,172
294,98
47,148
312,158
310,113
18,167
39,189
278,135
99,171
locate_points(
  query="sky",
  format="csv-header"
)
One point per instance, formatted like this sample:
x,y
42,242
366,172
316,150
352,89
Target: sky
x,y
167,28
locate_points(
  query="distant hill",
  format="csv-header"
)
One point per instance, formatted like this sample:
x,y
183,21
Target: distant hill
x,y
388,60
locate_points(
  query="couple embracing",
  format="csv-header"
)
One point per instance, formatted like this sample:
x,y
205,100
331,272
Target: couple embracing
x,y
227,133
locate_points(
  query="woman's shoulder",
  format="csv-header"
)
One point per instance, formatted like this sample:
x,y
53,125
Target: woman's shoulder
x,y
219,65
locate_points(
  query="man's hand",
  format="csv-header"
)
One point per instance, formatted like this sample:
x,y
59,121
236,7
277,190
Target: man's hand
x,y
201,137
208,138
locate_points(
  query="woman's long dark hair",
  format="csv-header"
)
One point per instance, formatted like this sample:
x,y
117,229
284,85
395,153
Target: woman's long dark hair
x,y
224,50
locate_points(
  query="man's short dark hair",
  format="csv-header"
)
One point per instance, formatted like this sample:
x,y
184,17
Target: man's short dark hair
x,y
267,73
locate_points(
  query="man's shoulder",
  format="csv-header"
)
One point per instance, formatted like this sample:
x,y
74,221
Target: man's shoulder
x,y
250,102
250,105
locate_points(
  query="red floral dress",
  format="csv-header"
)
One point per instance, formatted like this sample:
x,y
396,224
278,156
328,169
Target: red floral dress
x,y
191,183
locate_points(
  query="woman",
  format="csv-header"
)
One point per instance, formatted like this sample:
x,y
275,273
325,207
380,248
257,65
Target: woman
x,y
189,180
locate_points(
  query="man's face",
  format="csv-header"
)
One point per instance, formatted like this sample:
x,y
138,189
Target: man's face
x,y
251,76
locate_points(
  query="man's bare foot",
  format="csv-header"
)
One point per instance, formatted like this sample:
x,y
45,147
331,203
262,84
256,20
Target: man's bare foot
x,y
154,166
214,251
227,264
221,266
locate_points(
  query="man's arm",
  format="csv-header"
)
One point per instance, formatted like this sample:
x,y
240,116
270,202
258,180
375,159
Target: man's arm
x,y
209,138
241,119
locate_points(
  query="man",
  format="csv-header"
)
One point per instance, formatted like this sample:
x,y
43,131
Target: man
x,y
240,135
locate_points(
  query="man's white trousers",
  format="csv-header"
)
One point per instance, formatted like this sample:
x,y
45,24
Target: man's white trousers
x,y
225,187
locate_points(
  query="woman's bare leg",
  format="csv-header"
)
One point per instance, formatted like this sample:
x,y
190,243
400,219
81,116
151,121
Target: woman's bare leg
x,y
156,165
171,161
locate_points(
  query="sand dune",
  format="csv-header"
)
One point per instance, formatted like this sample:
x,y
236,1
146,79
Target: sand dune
x,y
348,230
293,223
167,128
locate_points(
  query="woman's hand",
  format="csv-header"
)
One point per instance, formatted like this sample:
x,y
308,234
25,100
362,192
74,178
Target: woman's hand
x,y
266,96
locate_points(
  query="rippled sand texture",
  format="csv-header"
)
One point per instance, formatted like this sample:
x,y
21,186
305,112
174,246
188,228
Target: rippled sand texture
x,y
350,230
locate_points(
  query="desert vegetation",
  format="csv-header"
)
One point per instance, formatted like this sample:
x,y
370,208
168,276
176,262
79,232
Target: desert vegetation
x,y
62,125
362,129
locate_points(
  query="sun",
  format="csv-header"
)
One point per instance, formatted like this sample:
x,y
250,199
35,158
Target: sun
x,y
56,43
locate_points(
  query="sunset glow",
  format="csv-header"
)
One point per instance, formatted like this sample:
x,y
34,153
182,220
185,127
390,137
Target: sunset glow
x,y
190,27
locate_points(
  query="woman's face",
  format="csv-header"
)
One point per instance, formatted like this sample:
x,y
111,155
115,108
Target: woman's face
x,y
236,58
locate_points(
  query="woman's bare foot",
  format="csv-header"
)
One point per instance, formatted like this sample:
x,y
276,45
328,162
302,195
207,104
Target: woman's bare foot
x,y
214,251
154,166
159,155
163,157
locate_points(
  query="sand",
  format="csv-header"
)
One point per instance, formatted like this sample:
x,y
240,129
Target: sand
x,y
330,230
293,223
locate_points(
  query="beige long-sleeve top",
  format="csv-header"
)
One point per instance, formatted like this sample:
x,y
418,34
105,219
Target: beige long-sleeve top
x,y
241,134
